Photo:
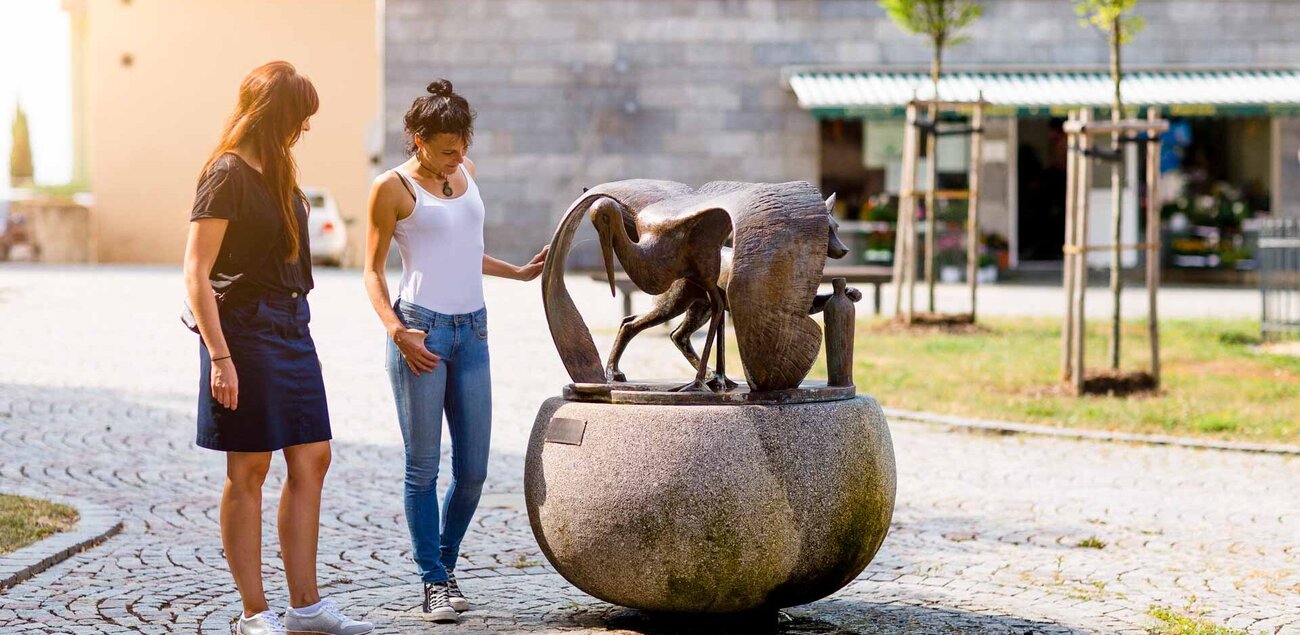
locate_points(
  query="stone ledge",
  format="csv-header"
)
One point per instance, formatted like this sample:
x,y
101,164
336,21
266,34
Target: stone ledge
x,y
95,524
993,426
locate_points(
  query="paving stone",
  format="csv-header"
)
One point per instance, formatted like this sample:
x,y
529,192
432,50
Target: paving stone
x,y
101,408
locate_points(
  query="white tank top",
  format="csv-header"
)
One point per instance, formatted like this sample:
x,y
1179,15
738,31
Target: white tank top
x,y
441,244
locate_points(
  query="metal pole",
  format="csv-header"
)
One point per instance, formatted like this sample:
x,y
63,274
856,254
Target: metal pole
x,y
1287,269
1265,230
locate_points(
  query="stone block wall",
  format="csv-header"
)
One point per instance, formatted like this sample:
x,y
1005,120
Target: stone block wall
x,y
574,92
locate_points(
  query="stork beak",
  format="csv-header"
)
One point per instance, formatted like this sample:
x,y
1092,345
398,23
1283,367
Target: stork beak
x,y
607,250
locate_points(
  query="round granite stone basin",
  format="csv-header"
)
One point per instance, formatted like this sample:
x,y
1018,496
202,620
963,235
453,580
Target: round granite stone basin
x,y
710,509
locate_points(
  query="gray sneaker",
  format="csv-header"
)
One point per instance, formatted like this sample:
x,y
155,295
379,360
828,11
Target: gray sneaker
x,y
455,595
327,620
437,603
264,623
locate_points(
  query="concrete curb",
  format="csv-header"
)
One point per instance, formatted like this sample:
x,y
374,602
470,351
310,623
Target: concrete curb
x,y
991,426
95,524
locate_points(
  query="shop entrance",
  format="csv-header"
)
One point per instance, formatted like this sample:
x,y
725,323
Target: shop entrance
x,y
1215,175
1040,189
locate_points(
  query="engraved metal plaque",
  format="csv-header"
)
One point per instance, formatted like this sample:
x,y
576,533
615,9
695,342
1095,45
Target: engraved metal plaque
x,y
566,431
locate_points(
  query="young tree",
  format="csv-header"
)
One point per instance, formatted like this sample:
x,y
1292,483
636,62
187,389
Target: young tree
x,y
20,156
1114,18
940,21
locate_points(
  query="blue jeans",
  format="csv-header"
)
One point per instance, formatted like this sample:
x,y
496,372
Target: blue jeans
x,y
461,386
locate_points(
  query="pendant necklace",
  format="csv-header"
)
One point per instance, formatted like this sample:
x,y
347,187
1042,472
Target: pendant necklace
x,y
446,182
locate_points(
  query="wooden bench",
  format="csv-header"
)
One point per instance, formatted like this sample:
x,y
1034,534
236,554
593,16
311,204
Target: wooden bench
x,y
860,274
874,275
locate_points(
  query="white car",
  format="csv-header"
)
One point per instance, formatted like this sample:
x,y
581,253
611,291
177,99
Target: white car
x,y
325,227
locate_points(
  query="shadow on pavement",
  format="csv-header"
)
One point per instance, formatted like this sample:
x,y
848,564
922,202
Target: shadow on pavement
x,y
829,617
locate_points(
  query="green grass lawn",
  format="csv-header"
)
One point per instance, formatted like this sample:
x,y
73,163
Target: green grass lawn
x,y
23,521
1214,384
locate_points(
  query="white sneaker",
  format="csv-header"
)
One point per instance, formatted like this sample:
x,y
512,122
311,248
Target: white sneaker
x,y
325,619
437,603
264,623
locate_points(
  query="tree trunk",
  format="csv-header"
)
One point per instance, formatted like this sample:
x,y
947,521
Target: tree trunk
x,y
1117,194
932,172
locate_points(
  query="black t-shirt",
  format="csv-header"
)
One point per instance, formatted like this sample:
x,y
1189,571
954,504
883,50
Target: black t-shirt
x,y
232,190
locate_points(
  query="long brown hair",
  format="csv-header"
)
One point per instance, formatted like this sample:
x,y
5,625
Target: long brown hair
x,y
274,101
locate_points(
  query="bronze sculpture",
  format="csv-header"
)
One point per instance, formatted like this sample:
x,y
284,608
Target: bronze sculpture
x,y
840,323
665,233
675,246
684,297
606,458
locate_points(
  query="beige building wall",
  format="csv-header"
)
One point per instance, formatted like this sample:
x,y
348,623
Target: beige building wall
x,y
163,76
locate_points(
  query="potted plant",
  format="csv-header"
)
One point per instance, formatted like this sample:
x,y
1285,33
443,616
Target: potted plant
x,y
880,248
988,269
999,250
950,256
952,213
881,208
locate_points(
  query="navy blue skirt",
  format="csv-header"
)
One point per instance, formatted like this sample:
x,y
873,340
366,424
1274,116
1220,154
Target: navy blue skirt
x,y
281,391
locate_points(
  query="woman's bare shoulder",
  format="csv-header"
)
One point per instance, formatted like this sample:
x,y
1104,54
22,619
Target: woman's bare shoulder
x,y
391,196
390,185
387,179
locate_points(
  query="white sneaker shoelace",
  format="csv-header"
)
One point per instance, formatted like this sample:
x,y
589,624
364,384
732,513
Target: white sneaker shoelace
x,y
332,609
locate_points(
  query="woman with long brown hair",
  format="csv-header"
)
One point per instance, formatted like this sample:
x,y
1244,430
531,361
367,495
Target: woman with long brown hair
x,y
247,273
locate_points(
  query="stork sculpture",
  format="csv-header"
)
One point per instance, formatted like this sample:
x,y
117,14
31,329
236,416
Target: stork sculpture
x,y
669,237
675,247
684,297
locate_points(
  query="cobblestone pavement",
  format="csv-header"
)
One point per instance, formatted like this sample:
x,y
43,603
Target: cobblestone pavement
x,y
97,389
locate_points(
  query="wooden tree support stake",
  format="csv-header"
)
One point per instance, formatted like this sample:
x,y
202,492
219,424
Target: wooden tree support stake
x,y
1080,128
905,254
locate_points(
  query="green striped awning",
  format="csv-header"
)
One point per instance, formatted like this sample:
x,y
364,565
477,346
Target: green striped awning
x,y
1183,93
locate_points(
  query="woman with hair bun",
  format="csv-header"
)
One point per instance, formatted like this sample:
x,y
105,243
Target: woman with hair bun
x,y
437,358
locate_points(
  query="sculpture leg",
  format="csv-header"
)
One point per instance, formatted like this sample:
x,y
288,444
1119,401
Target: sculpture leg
x,y
720,382
696,317
717,308
667,306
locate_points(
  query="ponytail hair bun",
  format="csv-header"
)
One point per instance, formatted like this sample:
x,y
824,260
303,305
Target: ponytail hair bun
x,y
440,88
